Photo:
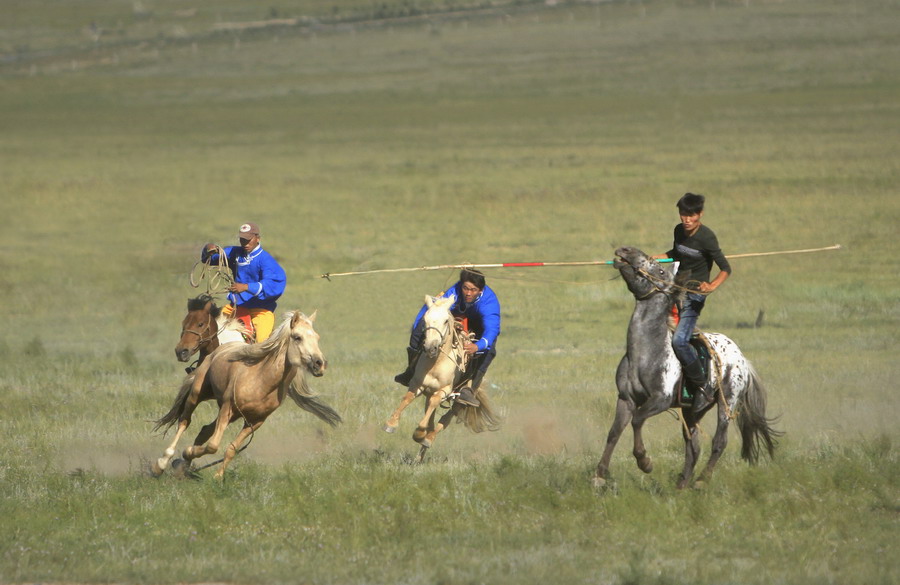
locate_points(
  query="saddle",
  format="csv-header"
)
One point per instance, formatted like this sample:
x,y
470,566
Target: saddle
x,y
685,395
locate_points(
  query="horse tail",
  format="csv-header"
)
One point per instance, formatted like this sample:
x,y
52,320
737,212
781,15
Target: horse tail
x,y
756,429
481,418
311,404
171,417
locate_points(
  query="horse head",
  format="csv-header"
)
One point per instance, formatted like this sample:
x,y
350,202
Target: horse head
x,y
643,275
438,323
303,345
198,327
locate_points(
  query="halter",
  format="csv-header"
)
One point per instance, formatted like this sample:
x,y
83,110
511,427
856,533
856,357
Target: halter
x,y
199,334
654,280
454,342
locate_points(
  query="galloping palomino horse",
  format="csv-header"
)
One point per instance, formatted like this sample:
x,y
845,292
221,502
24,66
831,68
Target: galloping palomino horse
x,y
204,328
649,378
248,381
439,371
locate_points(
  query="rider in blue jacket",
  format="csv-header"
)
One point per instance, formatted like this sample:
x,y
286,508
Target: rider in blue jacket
x,y
259,281
478,304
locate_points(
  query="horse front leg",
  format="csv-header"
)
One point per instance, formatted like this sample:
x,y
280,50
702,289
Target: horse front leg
x,y
624,412
391,425
426,425
655,405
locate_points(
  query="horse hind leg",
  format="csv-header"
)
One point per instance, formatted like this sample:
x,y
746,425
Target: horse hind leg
x,y
691,434
442,424
719,442
211,445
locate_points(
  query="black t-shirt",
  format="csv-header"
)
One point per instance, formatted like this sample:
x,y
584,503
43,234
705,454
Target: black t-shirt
x,y
697,253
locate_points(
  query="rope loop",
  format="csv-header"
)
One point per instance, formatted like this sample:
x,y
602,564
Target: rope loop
x,y
217,275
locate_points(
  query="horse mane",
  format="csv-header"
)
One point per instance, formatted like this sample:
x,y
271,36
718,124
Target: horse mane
x,y
256,352
199,303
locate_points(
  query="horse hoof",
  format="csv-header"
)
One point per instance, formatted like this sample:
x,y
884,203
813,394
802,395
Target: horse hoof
x,y
182,469
389,429
419,435
153,469
645,464
699,485
159,466
598,482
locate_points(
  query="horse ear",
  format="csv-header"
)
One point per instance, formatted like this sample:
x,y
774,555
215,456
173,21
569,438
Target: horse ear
x,y
429,301
312,318
295,318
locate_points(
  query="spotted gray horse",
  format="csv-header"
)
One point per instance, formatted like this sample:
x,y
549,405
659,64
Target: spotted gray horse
x,y
648,378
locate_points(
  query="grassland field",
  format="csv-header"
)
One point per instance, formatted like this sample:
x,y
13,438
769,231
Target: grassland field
x,y
399,134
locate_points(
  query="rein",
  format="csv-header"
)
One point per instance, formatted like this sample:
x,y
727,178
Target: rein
x,y
202,340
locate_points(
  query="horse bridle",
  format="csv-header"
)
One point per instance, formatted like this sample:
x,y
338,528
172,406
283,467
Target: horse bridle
x,y
442,334
201,340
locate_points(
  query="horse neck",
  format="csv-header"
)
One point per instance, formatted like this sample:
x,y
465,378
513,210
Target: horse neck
x,y
649,322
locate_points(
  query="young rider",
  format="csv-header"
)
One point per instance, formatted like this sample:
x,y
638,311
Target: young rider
x,y
478,304
695,247
258,280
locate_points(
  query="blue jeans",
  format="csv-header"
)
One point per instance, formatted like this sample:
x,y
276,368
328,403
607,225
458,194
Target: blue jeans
x,y
687,320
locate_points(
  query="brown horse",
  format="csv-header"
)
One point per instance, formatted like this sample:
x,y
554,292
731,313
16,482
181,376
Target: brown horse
x,y
203,329
248,381
439,372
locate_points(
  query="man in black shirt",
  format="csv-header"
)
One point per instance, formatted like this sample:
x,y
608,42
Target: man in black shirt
x,y
695,249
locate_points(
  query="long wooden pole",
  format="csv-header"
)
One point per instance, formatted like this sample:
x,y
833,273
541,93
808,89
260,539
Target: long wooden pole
x,y
328,275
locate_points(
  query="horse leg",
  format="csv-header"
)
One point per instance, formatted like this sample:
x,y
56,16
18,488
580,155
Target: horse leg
x,y
442,423
161,464
691,434
212,445
391,425
422,451
184,421
652,407
235,445
426,425
624,412
720,441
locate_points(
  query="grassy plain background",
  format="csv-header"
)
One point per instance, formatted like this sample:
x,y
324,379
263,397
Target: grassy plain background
x,y
515,134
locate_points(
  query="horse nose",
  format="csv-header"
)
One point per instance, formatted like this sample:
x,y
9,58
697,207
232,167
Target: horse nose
x,y
182,354
321,364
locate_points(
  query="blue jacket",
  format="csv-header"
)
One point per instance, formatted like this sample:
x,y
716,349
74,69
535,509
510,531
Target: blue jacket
x,y
483,315
262,274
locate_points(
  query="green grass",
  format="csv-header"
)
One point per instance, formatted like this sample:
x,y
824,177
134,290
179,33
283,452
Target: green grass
x,y
546,134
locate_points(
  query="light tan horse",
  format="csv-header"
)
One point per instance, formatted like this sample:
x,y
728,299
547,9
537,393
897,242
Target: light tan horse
x,y
249,382
439,371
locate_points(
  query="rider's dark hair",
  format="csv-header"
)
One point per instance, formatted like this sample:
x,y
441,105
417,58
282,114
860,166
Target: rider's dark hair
x,y
473,276
690,204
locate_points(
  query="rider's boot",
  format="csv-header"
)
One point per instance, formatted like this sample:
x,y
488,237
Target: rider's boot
x,y
467,396
467,392
406,377
704,392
